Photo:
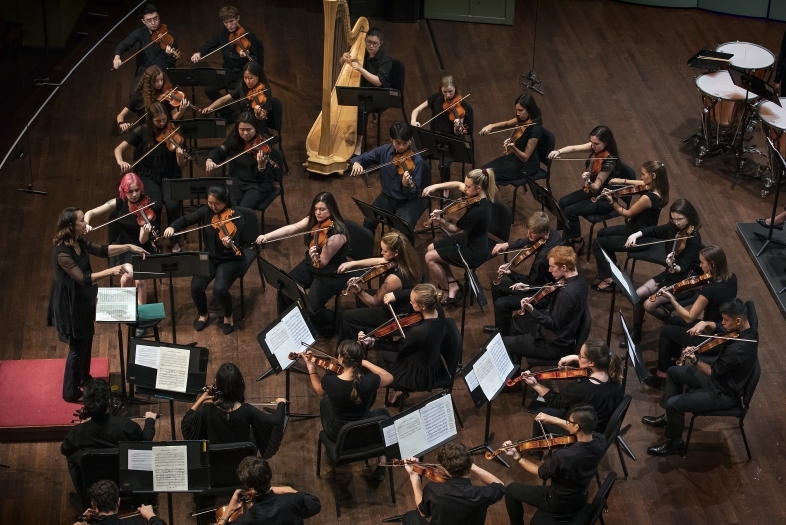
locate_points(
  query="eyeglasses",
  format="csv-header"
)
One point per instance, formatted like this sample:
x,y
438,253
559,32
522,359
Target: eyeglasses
x,y
150,20
371,43
570,422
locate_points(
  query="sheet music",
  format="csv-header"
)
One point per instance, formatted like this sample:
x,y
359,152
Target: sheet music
x,y
391,438
487,375
471,379
500,357
116,305
140,460
146,356
423,429
618,276
172,369
438,421
297,328
411,435
170,468
285,337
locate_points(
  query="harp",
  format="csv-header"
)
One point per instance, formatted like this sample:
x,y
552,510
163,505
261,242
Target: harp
x,y
331,141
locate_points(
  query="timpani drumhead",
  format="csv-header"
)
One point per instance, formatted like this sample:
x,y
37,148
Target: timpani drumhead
x,y
747,56
774,115
719,85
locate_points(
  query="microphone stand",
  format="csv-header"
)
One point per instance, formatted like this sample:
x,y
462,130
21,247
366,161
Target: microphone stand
x,y
532,77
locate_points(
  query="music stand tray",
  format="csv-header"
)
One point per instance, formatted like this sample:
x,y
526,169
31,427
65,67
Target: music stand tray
x,y
391,220
198,76
190,189
368,99
444,146
710,59
280,280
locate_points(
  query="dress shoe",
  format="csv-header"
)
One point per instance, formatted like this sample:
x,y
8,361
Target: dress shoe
x,y
140,332
669,448
200,325
635,333
655,381
763,224
489,329
655,421
228,328
74,399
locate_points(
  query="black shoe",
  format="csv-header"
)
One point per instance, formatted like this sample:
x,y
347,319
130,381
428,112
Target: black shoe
x,y
655,381
75,502
635,333
655,421
606,289
379,473
489,329
669,448
200,325
140,332
228,328
763,224
74,399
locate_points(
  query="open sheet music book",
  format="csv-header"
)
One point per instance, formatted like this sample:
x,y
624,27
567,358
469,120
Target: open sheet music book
x,y
488,370
286,335
422,428
116,305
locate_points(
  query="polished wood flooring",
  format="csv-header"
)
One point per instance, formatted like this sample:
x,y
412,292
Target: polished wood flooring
x,y
601,62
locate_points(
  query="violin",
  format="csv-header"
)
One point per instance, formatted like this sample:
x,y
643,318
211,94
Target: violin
x,y
520,257
515,135
320,231
455,206
686,284
456,114
404,162
597,165
431,472
371,273
328,363
165,39
211,390
708,344
174,97
92,516
257,99
246,496
250,147
543,293
227,228
391,326
241,41
552,373
545,442
172,140
620,192
145,216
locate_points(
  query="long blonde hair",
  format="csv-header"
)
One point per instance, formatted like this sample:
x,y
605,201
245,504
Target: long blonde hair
x,y
485,179
406,258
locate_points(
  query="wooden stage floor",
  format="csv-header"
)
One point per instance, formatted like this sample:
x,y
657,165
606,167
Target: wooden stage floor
x,y
601,62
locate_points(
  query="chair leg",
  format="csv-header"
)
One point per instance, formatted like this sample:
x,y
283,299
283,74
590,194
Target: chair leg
x,y
524,394
589,241
335,315
597,478
242,300
745,439
392,487
262,226
319,456
335,492
622,459
632,269
284,205
515,191
687,441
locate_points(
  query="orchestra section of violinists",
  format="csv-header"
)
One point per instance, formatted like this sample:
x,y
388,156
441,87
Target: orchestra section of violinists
x,y
405,298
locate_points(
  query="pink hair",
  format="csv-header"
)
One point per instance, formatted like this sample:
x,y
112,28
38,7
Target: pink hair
x,y
126,182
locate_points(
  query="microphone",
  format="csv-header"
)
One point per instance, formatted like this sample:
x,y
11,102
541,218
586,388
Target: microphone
x,y
533,79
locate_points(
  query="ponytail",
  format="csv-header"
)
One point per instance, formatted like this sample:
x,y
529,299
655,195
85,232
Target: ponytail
x,y
605,360
484,178
351,353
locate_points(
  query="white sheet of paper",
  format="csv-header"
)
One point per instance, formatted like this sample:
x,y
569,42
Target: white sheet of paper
x,y
472,380
439,423
391,438
411,435
146,356
618,275
140,460
172,369
281,344
297,327
487,375
116,305
170,468
500,357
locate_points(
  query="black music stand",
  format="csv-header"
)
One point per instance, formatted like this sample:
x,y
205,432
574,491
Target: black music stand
x,y
181,264
619,279
191,189
470,284
281,281
547,201
444,146
777,170
201,128
391,220
198,76
368,100
633,354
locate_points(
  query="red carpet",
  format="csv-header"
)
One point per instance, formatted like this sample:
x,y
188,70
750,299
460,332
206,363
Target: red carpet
x,y
33,408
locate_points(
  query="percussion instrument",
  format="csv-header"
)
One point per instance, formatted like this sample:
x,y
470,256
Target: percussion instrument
x,y
722,102
773,121
753,58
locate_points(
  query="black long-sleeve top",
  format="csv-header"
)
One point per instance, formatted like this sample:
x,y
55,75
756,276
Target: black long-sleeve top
x,y
159,164
113,519
736,362
212,236
244,170
539,270
104,431
442,123
151,56
781,64
418,359
604,397
379,65
687,259
561,322
232,60
388,175
281,509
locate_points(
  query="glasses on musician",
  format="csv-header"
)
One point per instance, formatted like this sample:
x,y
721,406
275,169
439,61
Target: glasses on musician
x,y
372,43
152,20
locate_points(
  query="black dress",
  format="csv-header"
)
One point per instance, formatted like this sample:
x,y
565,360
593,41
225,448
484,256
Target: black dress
x,y
418,360
337,408
473,238
250,185
128,229
509,168
604,397
218,426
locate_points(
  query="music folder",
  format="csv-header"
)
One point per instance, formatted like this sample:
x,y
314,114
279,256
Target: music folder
x,y
167,370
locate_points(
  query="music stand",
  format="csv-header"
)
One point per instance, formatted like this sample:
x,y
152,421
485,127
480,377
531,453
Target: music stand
x,y
471,282
709,59
619,279
281,281
444,146
198,76
547,201
639,367
777,170
368,100
181,264
191,189
391,220
201,128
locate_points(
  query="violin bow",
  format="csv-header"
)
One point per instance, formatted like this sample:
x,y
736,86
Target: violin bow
x,y
206,225
375,168
314,348
141,49
236,101
154,147
395,317
587,158
522,126
225,45
359,269
123,216
246,151
729,338
454,104
665,240
298,235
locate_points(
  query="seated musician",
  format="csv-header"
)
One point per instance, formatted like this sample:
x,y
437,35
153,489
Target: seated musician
x,y
674,336
349,396
456,500
520,153
153,54
234,56
570,469
273,505
551,333
149,90
400,193
719,386
253,76
105,503
682,257
225,417
513,285
416,358
643,213
470,232
317,271
102,430
375,72
373,311
602,390
225,256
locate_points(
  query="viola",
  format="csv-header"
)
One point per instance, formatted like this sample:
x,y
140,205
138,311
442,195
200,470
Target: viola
x,y
241,41
552,373
320,236
174,97
686,284
596,166
221,222
706,345
620,192
257,99
371,273
246,496
543,293
520,257
172,139
165,39
515,135
435,473
327,363
545,442
251,148
455,206
145,216
456,114
391,326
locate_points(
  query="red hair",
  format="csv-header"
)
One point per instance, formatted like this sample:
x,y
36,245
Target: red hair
x,y
126,182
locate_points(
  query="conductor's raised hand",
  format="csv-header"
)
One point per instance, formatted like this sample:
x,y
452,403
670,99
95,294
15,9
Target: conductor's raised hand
x,y
117,270
137,250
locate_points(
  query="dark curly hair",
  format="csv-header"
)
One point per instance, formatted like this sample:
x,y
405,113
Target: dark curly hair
x,y
96,397
456,459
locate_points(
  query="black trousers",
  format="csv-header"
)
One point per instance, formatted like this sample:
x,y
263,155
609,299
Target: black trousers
x,y
250,198
331,426
539,496
611,239
413,517
673,338
533,345
156,194
506,301
77,367
214,93
409,210
702,395
361,319
225,273
578,204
